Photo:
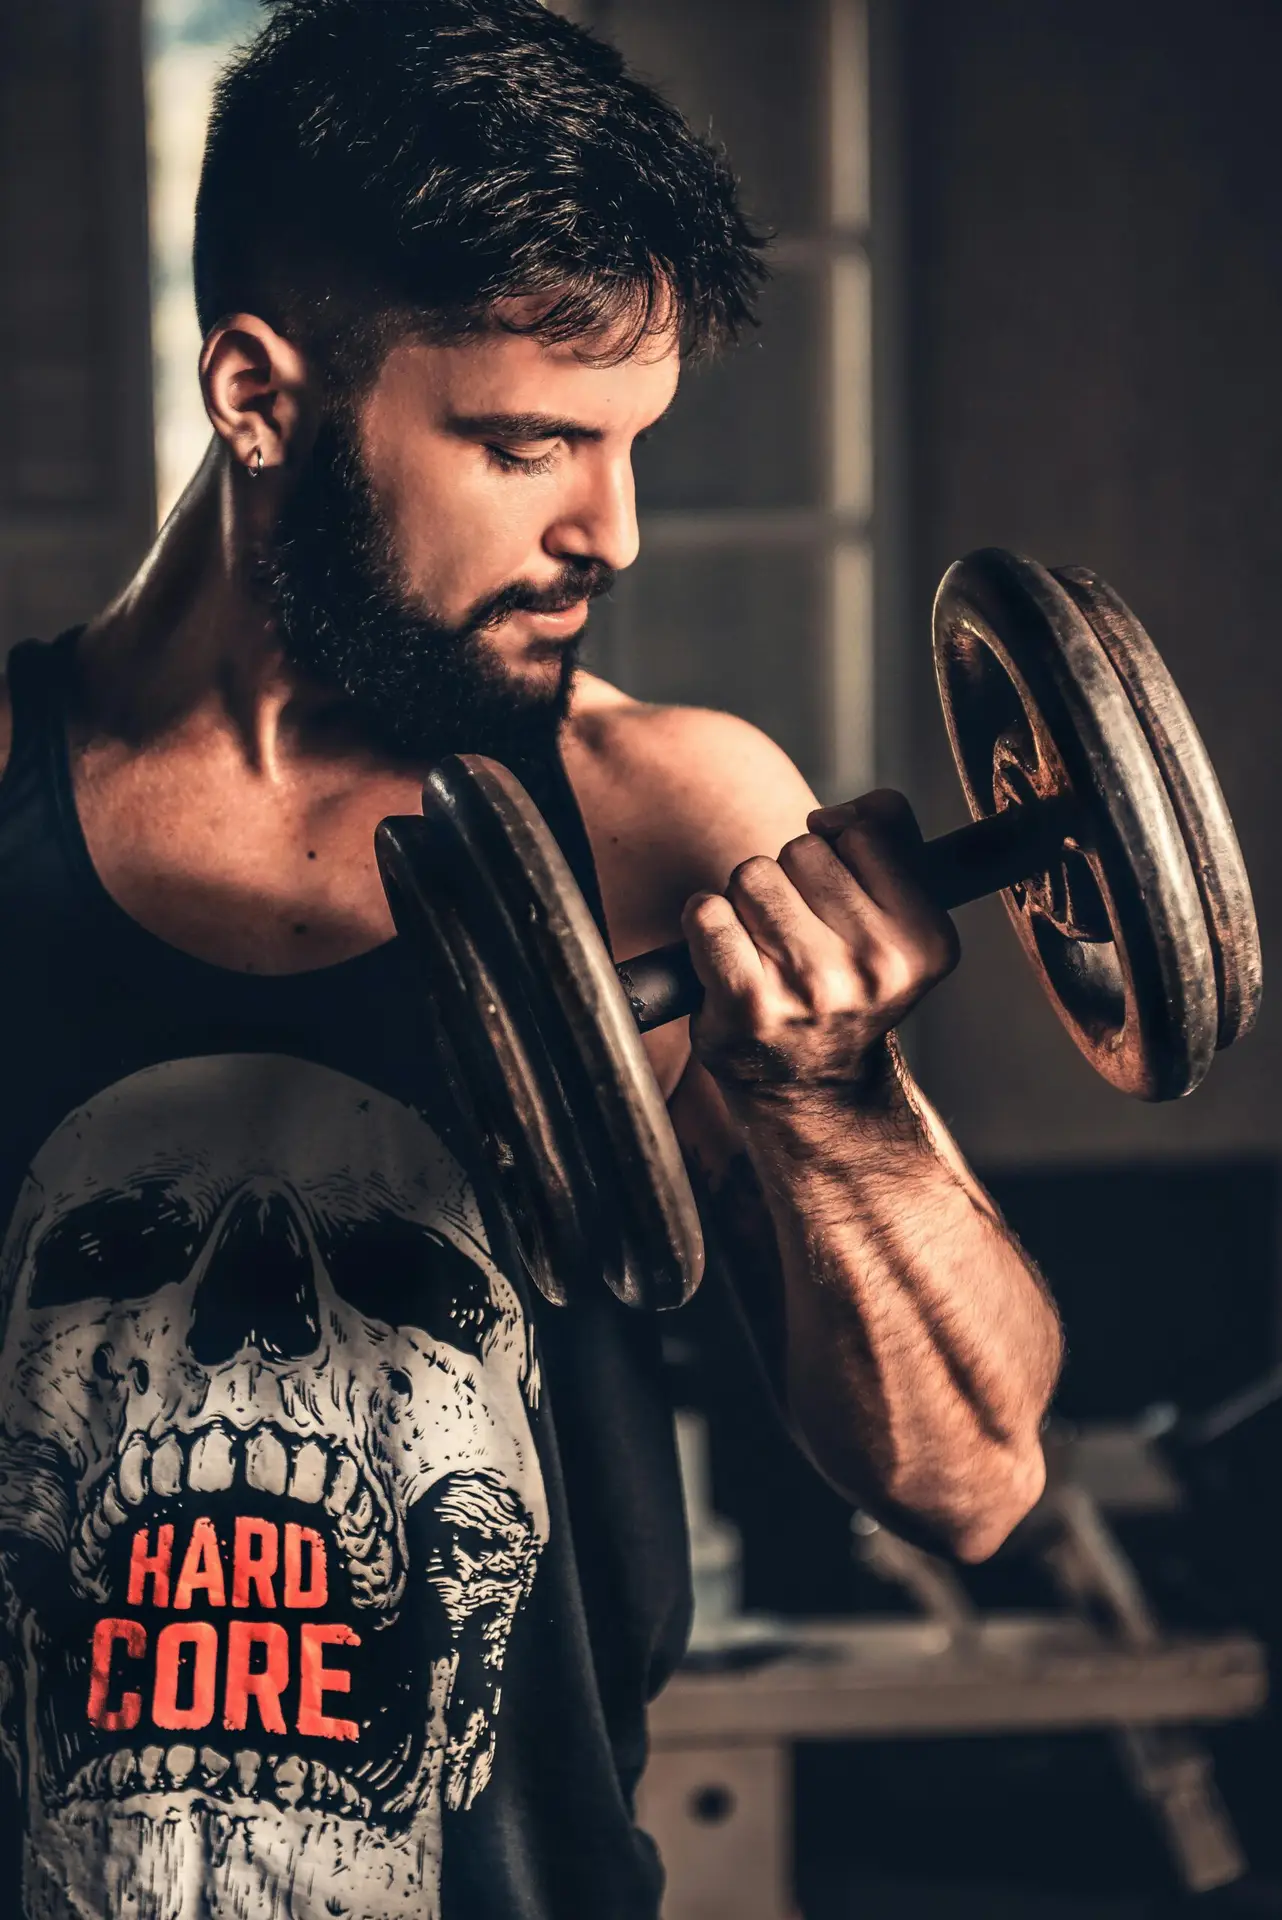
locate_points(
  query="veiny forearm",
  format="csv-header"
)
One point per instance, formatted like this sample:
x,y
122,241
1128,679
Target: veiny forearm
x,y
921,1348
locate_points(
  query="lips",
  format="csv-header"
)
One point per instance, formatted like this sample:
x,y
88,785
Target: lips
x,y
260,1461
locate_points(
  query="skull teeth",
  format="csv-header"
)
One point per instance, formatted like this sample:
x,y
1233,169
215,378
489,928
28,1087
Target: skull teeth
x,y
264,1461
307,1475
133,1471
182,1768
212,1466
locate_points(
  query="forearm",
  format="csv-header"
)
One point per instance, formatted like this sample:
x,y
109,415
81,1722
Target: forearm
x,y
920,1347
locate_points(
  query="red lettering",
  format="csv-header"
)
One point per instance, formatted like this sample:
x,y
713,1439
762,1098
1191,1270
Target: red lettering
x,y
254,1569
296,1594
266,1685
165,1710
154,1565
105,1635
315,1679
202,1568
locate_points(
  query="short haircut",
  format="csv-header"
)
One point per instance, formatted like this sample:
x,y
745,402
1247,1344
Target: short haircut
x,y
381,167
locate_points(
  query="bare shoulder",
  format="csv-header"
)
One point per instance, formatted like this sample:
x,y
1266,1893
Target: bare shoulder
x,y
675,797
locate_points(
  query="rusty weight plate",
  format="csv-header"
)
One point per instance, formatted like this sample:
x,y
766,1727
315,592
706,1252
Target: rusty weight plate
x,y
1194,793
1115,928
539,1041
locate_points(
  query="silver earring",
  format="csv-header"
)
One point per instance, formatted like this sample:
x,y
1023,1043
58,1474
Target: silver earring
x,y
256,455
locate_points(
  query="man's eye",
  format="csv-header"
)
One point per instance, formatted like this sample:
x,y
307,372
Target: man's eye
x,y
510,462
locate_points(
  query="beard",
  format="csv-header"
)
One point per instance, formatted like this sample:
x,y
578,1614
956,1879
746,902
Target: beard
x,y
412,684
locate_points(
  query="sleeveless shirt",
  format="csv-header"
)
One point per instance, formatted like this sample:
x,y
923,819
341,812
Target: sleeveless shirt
x,y
336,1566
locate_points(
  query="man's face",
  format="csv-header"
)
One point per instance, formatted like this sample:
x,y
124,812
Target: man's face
x,y
437,556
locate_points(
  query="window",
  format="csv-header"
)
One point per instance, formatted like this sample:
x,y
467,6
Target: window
x,y
754,586
187,42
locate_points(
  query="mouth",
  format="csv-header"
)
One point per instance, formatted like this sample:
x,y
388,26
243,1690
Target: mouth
x,y
324,1577
562,622
259,1460
228,1777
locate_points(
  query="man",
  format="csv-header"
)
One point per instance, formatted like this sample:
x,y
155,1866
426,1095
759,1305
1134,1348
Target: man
x,y
337,1566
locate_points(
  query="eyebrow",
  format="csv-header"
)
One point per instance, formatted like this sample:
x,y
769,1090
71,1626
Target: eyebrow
x,y
519,426
528,426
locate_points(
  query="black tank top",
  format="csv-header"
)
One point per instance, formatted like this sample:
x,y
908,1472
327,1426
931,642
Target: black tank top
x,y
335,1566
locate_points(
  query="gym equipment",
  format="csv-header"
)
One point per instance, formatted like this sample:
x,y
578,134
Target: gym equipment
x,y
1140,925
1095,812
717,1792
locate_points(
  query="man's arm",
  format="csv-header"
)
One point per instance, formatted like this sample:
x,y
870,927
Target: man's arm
x,y
909,1339
909,1343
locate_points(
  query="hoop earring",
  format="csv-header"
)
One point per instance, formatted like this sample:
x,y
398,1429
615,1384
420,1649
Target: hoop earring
x,y
254,471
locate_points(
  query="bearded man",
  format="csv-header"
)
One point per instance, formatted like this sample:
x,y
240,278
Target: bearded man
x,y
336,1566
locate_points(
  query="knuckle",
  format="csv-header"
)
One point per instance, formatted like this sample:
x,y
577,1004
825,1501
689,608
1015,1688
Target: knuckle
x,y
704,911
793,856
804,846
947,952
886,817
754,877
912,968
887,803
834,987
903,976
937,950
866,977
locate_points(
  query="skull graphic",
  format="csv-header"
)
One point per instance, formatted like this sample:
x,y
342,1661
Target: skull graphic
x,y
269,1498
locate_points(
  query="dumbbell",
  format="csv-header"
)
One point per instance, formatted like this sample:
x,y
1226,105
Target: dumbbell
x,y
1095,812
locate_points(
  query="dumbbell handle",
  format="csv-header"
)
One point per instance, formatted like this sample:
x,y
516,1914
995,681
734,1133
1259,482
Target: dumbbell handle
x,y
984,857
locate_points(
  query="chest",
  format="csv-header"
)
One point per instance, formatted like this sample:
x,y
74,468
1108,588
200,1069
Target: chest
x,y
267,876
247,872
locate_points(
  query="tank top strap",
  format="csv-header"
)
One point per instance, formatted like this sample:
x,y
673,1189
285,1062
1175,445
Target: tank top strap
x,y
548,785
41,854
36,672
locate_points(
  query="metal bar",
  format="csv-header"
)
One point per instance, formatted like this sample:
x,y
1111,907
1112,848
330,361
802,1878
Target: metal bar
x,y
661,985
994,853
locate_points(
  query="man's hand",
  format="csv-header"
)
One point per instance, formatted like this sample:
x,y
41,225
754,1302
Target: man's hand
x,y
810,960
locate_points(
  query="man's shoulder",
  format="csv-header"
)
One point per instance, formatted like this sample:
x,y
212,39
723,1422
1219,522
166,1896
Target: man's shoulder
x,y
695,785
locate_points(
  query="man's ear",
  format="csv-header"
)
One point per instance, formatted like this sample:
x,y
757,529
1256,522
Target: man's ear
x,y
259,392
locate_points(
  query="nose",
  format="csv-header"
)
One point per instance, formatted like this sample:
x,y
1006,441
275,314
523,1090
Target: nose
x,y
258,1287
602,523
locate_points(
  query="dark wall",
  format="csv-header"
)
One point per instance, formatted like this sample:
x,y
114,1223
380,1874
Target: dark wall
x,y
77,501
1091,294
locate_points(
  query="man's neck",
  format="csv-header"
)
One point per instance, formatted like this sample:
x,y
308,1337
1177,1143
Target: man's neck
x,y
185,651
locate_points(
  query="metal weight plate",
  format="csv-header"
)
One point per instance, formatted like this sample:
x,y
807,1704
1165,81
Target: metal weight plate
x,y
1115,928
1194,792
540,1042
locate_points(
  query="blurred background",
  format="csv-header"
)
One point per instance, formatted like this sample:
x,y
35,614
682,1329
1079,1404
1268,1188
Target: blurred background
x,y
1028,292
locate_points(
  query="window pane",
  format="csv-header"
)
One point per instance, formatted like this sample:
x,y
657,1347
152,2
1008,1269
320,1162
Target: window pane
x,y
753,72
738,630
747,429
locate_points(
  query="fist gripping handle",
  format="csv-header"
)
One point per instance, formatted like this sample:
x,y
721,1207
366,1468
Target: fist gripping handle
x,y
982,858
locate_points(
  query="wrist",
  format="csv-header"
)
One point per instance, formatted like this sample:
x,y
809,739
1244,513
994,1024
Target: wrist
x,y
833,1129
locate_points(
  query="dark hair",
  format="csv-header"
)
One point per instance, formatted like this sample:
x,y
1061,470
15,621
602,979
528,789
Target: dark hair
x,y
381,166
